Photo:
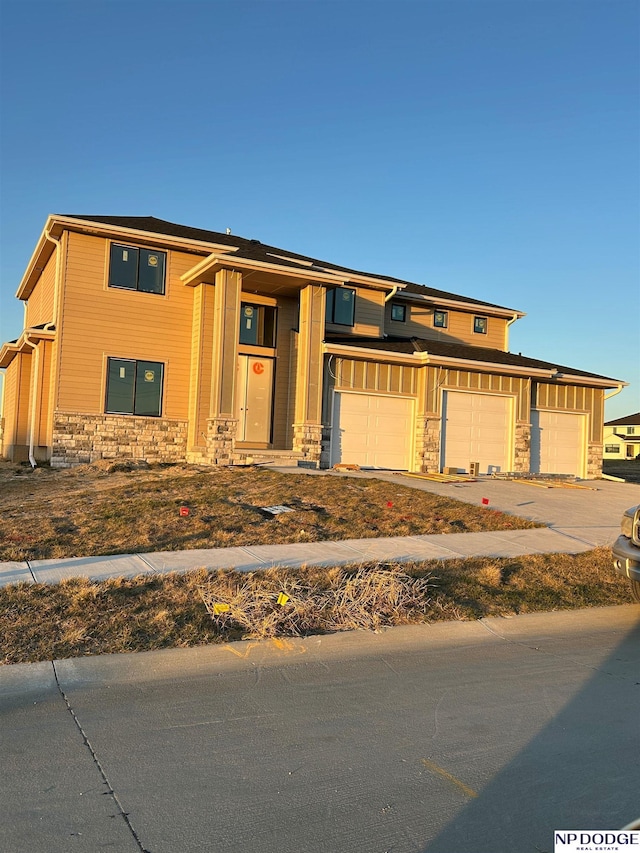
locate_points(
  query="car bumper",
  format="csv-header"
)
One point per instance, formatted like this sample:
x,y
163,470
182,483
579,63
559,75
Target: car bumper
x,y
626,558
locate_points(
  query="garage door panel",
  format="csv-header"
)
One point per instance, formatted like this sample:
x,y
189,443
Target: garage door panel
x,y
372,431
557,442
476,428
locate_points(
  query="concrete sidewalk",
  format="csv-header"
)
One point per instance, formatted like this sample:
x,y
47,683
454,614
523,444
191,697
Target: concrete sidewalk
x,y
578,520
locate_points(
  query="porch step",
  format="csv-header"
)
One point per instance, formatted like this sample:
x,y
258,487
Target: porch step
x,y
263,457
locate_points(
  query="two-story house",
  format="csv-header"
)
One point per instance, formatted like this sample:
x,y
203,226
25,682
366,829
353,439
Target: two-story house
x,y
622,438
146,339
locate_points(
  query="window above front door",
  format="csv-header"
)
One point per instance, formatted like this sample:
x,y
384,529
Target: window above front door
x,y
257,325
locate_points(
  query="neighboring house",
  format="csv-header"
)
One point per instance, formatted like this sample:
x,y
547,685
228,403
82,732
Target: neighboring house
x,y
146,339
622,438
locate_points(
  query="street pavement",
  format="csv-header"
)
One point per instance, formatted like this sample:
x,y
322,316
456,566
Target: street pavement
x,y
576,520
473,737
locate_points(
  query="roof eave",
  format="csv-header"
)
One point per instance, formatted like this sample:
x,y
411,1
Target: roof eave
x,y
55,225
478,307
425,358
209,266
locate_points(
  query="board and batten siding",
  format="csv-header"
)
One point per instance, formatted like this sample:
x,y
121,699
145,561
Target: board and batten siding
x,y
101,321
440,378
368,315
419,324
357,375
41,299
574,398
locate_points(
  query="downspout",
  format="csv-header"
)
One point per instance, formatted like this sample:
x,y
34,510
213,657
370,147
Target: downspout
x,y
391,294
33,396
613,393
506,332
56,286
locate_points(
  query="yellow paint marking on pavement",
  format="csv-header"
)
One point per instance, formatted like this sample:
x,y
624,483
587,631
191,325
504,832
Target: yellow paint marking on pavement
x,y
442,772
287,646
239,654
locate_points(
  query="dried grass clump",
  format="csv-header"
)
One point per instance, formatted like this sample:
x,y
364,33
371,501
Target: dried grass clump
x,y
365,598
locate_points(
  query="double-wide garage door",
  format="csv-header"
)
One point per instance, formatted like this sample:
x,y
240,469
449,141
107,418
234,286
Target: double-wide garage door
x,y
557,442
372,430
476,428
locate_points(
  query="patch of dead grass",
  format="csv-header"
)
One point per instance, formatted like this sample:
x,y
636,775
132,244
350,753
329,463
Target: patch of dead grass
x,y
78,617
115,508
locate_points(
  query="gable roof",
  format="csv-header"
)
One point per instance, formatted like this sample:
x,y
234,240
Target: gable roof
x,y
250,249
629,420
465,352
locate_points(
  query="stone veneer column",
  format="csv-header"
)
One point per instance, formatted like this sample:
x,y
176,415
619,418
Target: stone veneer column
x,y
594,462
222,423
221,435
522,456
428,443
307,439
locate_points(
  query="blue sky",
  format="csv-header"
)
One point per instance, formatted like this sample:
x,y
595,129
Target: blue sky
x,y
484,147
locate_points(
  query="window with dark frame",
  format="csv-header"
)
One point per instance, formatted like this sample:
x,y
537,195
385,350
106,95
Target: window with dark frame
x,y
441,319
341,302
257,325
611,448
480,325
133,268
398,312
134,387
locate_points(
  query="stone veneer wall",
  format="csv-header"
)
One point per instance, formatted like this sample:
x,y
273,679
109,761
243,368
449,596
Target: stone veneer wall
x,y
522,460
428,444
594,462
87,438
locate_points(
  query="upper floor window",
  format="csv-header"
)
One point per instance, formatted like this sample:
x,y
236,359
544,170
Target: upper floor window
x,y
398,312
341,303
631,430
441,319
257,325
134,387
133,268
480,325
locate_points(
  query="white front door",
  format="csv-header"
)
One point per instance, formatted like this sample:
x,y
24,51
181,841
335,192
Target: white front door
x,y
476,428
254,397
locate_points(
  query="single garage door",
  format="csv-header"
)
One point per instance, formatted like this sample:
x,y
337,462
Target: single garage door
x,y
476,428
372,431
557,442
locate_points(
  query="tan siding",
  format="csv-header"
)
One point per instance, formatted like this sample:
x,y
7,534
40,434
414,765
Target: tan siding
x,y
368,315
419,324
100,321
10,403
24,386
43,427
40,303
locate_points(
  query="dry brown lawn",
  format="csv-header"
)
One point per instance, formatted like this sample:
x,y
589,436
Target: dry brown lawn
x,y
104,508
78,617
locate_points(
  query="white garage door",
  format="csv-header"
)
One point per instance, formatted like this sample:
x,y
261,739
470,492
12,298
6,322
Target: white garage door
x,y
557,443
476,428
372,431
